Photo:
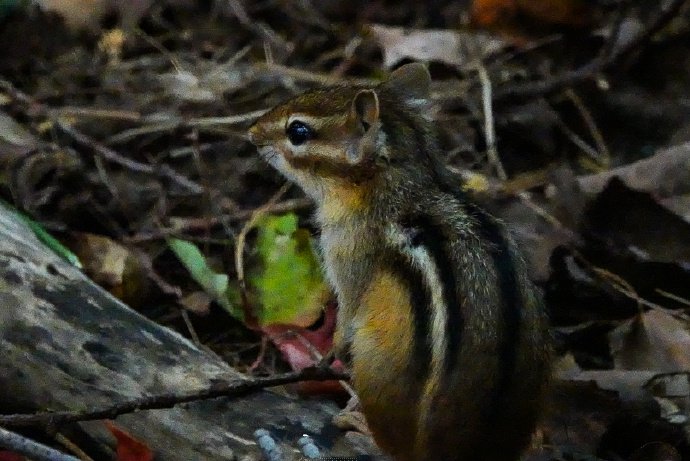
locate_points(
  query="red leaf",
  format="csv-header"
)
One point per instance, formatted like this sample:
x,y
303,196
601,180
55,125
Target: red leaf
x,y
300,355
129,448
11,456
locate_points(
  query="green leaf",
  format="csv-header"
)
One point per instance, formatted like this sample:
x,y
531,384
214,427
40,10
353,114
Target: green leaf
x,y
288,281
45,237
213,283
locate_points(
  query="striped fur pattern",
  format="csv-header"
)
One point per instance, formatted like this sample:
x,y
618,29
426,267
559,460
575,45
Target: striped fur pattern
x,y
447,336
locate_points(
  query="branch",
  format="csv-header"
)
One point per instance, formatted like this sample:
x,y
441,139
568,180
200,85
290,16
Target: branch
x,y
600,63
161,401
36,108
36,451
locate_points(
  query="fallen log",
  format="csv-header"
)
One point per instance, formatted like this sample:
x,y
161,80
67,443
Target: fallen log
x,y
67,344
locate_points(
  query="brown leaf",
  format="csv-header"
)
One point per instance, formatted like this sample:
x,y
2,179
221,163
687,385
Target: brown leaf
x,y
629,384
115,267
104,259
446,46
654,340
198,302
665,174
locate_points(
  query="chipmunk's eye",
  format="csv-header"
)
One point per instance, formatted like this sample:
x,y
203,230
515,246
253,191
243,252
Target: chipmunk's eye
x,y
299,133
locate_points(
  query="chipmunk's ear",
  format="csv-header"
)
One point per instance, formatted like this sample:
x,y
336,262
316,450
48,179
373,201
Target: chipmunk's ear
x,y
365,115
365,109
411,82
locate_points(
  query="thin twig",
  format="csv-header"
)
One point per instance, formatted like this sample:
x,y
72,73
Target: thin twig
x,y
236,388
188,225
174,61
156,125
494,159
675,298
604,155
38,109
162,171
579,142
88,112
227,120
71,446
144,261
242,237
314,77
609,47
318,357
622,286
489,126
190,326
526,200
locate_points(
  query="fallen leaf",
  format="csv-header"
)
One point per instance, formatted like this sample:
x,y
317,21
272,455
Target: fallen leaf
x,y
301,348
509,15
654,340
446,46
198,302
633,219
15,135
213,283
287,279
664,174
104,259
629,384
47,239
294,349
129,448
207,83
11,456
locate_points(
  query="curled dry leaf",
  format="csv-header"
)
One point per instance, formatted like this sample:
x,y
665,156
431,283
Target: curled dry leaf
x,y
446,46
629,384
206,83
104,259
654,340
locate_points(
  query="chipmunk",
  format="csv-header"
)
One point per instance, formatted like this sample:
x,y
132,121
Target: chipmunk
x,y
447,337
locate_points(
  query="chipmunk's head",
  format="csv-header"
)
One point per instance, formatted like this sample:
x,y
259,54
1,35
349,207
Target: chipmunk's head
x,y
335,137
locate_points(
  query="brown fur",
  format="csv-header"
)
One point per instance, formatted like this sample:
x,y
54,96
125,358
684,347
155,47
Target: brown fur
x,y
400,243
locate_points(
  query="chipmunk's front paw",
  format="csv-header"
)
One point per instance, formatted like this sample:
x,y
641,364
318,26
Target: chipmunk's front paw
x,y
351,418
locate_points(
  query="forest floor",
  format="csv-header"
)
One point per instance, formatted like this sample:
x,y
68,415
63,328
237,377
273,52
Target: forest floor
x,y
123,134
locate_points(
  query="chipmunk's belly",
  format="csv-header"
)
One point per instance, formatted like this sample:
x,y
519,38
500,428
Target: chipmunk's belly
x,y
383,378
